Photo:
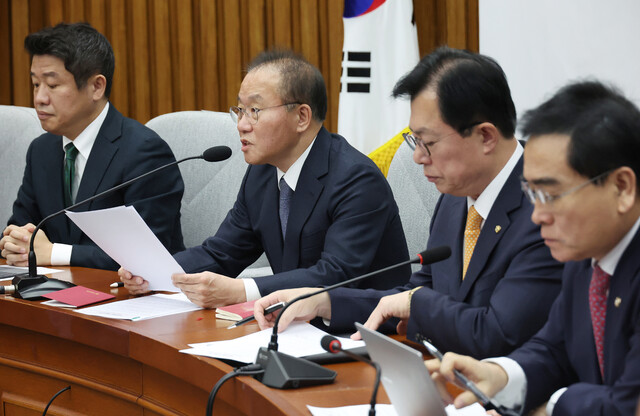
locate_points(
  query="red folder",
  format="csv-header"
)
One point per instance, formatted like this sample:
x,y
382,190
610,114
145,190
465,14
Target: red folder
x,y
78,296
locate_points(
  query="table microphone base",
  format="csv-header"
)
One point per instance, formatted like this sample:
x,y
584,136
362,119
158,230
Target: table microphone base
x,y
34,288
284,371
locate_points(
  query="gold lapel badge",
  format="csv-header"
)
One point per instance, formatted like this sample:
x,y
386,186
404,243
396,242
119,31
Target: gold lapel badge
x,y
498,228
617,302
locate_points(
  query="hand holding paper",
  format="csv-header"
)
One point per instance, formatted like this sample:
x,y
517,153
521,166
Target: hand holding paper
x,y
122,234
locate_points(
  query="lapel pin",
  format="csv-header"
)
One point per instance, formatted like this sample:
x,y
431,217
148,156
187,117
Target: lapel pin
x,y
498,228
617,302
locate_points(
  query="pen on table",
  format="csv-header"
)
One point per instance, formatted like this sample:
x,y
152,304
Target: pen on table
x,y
267,311
117,284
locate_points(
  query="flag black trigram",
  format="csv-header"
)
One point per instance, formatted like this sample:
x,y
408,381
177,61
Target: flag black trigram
x,y
358,67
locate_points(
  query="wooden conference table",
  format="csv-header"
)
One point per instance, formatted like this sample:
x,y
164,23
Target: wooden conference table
x,y
119,367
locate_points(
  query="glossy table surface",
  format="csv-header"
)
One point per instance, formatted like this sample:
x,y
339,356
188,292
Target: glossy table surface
x,y
154,345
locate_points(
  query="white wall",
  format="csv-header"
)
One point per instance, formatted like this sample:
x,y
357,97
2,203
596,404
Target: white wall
x,y
543,44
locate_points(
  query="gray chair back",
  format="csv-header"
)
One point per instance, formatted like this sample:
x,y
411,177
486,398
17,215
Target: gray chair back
x,y
210,188
416,198
18,127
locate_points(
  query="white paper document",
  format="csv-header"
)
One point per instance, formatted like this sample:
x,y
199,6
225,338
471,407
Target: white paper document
x,y
12,269
299,340
387,410
144,307
126,238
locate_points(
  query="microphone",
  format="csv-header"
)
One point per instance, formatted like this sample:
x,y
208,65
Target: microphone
x,y
284,371
333,345
32,286
426,257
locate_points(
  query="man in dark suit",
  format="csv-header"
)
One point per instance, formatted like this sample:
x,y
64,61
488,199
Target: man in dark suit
x,y
89,147
321,210
581,170
492,295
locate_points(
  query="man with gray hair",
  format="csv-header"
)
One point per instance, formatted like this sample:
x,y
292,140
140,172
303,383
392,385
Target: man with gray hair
x,y
321,210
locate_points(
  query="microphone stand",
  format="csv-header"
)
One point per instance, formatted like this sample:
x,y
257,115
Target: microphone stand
x,y
32,286
334,346
284,371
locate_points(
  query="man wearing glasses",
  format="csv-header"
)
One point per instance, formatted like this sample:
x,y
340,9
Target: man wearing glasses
x,y
322,211
581,170
495,290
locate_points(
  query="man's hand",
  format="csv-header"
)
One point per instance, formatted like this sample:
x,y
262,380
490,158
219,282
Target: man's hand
x,y
392,306
15,245
489,377
304,310
210,290
136,285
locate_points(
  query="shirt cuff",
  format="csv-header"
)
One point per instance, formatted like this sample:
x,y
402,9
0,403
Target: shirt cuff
x,y
61,254
513,394
251,290
553,400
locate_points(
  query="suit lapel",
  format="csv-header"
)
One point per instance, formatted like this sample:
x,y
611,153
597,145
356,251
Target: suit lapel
x,y
272,238
580,313
53,164
495,226
102,153
308,191
620,304
456,222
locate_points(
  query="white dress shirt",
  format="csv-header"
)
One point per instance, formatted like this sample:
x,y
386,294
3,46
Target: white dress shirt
x,y
61,253
488,197
291,177
514,393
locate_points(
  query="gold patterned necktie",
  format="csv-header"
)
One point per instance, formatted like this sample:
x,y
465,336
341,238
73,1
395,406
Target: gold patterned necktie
x,y
471,234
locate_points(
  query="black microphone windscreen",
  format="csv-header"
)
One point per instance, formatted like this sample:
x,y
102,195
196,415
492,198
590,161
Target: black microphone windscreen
x,y
216,153
326,342
435,255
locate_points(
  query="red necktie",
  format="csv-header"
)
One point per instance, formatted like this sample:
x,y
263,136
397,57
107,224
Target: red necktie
x,y
598,306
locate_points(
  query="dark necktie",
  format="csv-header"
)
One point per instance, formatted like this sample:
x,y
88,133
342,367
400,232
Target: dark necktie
x,y
598,305
69,172
286,194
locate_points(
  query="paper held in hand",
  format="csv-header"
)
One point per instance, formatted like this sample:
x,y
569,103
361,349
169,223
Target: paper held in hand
x,y
125,237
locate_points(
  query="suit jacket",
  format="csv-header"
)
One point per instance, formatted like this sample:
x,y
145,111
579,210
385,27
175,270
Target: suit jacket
x,y
563,353
343,222
510,284
123,150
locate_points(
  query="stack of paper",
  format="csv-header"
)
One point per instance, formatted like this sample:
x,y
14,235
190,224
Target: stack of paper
x,y
144,307
300,340
126,238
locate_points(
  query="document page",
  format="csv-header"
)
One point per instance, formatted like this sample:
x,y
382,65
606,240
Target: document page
x,y
388,410
300,339
126,238
144,307
9,272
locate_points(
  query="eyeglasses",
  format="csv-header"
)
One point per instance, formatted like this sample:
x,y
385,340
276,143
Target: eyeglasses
x,y
237,113
545,197
414,142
